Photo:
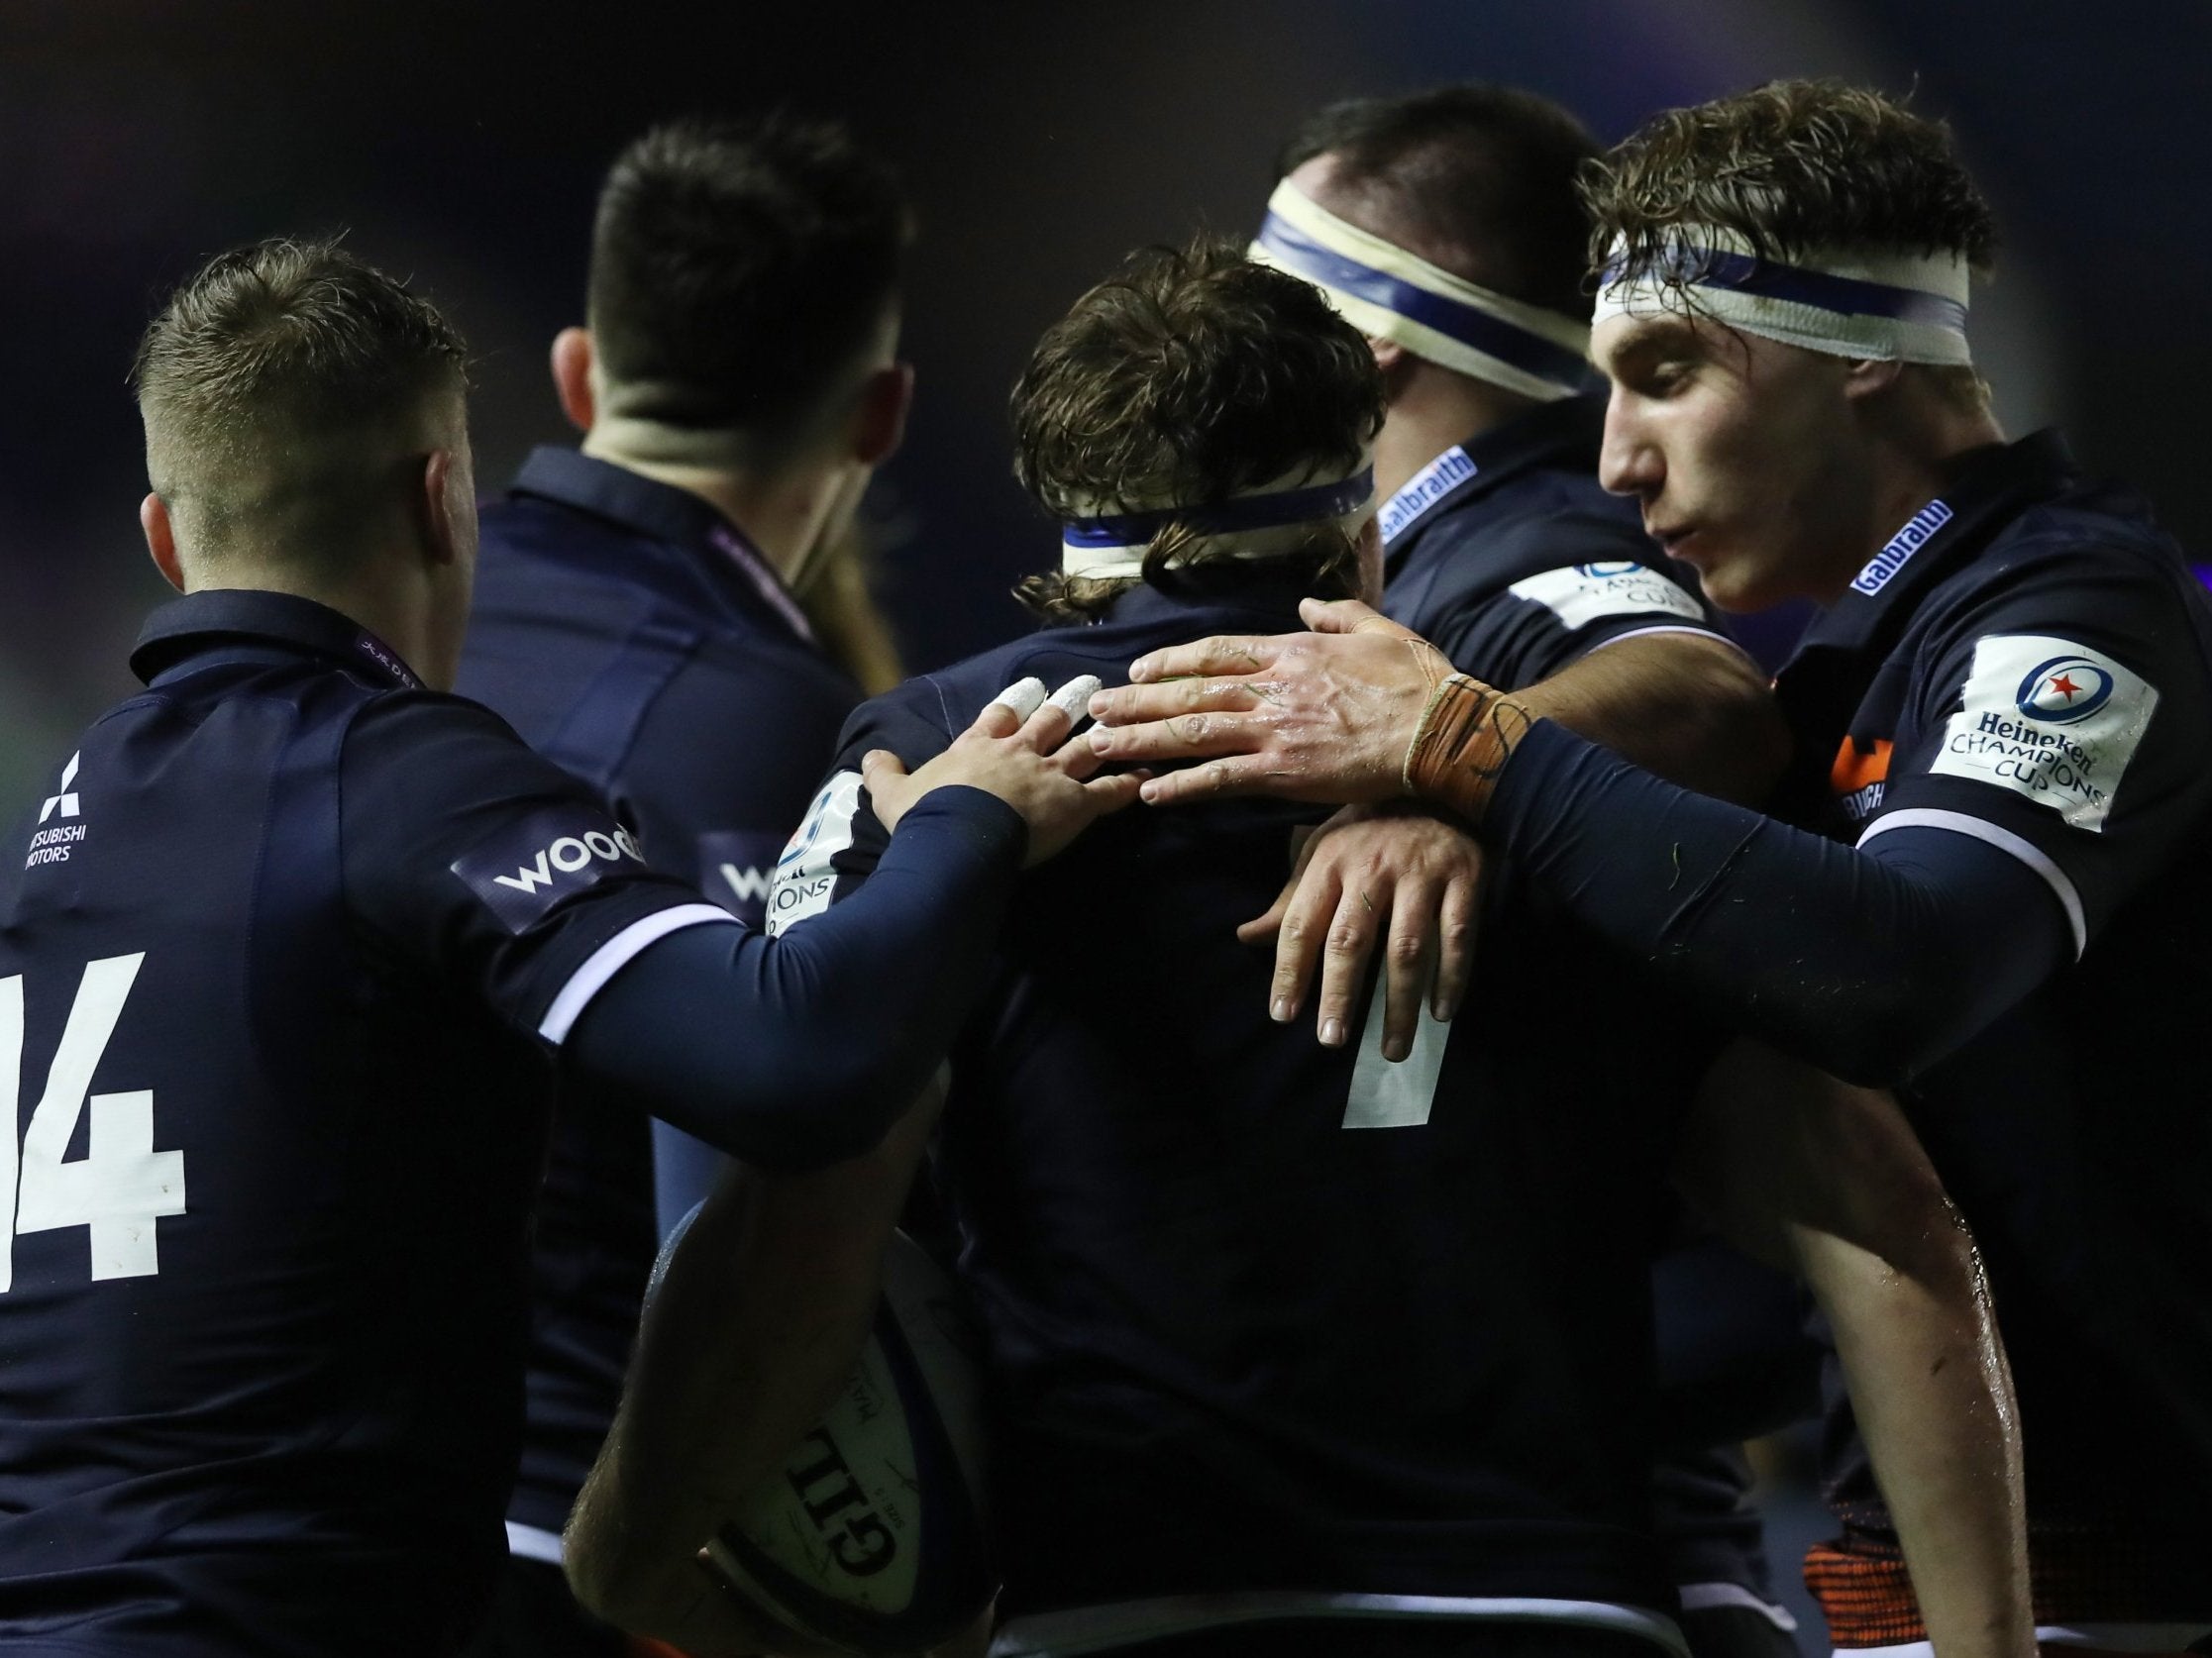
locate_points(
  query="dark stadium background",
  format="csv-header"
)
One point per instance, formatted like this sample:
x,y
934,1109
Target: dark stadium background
x,y
462,143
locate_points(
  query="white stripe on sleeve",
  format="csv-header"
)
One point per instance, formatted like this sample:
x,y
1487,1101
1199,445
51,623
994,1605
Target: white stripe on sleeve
x,y
613,955
2004,840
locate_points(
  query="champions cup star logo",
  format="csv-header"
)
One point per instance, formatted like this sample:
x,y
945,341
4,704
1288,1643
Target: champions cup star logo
x,y
66,800
2064,690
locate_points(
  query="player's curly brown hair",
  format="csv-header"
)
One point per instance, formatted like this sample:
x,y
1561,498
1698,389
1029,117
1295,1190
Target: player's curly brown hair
x,y
1792,165
1189,374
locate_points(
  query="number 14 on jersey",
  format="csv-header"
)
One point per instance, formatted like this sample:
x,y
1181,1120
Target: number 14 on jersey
x,y
118,1189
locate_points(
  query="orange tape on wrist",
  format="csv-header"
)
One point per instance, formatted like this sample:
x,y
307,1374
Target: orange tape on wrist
x,y
1466,734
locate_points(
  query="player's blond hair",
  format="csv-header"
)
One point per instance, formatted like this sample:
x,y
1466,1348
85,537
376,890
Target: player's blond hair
x,y
280,383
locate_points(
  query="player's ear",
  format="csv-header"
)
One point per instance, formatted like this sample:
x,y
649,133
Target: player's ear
x,y
448,508
160,540
880,419
1867,375
571,377
1394,363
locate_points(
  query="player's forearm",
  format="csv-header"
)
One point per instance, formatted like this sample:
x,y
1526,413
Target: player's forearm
x,y
1933,1399
1686,708
1868,963
756,1323
1829,1180
800,1052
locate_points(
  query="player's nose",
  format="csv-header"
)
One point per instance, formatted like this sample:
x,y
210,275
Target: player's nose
x,y
1628,460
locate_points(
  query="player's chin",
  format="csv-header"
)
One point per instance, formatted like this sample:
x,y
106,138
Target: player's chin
x,y
1735,583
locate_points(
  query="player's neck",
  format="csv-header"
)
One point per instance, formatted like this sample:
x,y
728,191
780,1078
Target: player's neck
x,y
1431,409
783,510
1921,445
417,613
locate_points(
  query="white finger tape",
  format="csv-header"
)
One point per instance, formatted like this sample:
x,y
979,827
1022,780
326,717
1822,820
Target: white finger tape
x,y
1024,696
1074,697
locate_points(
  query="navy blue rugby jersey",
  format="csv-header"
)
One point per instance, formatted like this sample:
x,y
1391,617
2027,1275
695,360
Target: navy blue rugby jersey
x,y
2029,662
1266,1317
1507,555
276,956
631,635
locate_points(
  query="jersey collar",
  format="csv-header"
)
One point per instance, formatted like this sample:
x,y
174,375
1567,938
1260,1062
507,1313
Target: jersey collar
x,y
1986,489
1834,665
1561,433
1261,601
231,616
663,513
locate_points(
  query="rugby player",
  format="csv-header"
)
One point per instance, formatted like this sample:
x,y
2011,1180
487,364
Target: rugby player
x,y
1291,1349
635,620
1986,882
1444,224
297,946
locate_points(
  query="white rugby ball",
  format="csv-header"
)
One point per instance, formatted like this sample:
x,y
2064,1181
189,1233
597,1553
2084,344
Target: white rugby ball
x,y
873,1536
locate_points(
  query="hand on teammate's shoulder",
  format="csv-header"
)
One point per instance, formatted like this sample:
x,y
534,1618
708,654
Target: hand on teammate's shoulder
x,y
1016,749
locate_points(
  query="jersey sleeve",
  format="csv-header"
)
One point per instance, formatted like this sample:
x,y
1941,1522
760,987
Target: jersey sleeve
x,y
840,841
2063,715
488,867
1589,583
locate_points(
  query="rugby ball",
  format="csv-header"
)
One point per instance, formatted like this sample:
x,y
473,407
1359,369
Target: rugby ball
x,y
871,1536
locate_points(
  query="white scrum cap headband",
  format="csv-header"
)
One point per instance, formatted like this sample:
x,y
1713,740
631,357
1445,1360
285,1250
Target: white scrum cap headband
x,y
1895,307
1389,294
1270,519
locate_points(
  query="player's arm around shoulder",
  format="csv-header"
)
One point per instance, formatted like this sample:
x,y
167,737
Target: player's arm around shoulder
x,y
1688,706
1828,1181
1601,633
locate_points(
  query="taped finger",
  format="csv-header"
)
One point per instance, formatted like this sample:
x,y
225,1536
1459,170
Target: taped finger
x,y
1024,696
1074,698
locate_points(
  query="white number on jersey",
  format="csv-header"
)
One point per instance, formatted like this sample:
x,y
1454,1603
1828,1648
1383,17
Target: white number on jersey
x,y
122,1184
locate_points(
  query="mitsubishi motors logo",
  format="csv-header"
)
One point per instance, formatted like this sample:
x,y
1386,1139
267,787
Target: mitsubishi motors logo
x,y
66,800
54,843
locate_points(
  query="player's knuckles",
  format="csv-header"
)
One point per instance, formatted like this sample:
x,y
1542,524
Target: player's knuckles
x,y
1226,655
1346,940
1294,940
1193,692
1403,951
1199,782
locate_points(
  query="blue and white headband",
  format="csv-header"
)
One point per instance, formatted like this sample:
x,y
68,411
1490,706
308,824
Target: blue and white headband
x,y
1893,307
1272,519
1389,294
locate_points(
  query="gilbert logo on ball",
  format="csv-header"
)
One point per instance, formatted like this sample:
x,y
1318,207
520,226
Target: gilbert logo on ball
x,y
872,1537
